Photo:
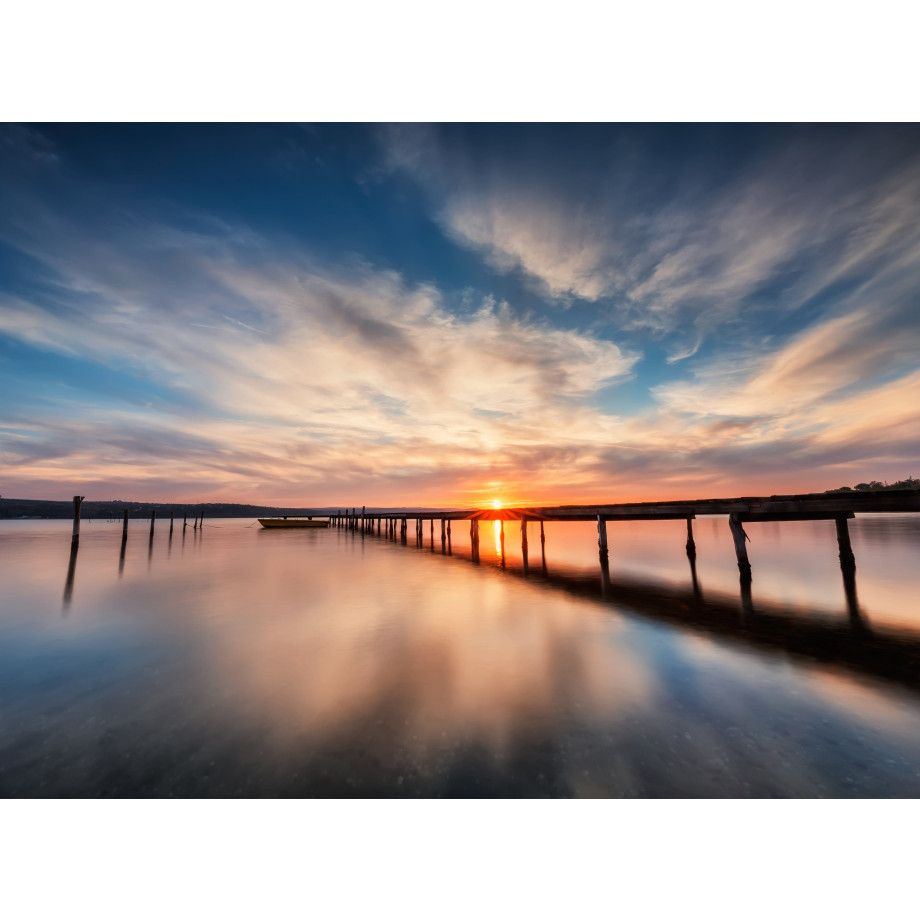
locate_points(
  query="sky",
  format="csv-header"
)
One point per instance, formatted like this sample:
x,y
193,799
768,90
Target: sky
x,y
448,315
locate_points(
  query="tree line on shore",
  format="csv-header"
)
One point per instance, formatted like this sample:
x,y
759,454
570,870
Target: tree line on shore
x,y
876,486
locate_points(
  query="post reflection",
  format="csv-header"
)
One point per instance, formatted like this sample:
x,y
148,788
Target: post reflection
x,y
605,572
747,601
697,593
857,620
71,572
121,556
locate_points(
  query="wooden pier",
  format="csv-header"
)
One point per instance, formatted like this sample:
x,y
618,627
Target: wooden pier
x,y
839,507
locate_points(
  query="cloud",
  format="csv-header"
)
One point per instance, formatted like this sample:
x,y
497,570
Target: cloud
x,y
705,255
284,371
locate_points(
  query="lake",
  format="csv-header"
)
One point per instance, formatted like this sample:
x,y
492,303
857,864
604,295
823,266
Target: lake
x,y
236,661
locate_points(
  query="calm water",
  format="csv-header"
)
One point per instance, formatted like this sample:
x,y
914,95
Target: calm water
x,y
242,662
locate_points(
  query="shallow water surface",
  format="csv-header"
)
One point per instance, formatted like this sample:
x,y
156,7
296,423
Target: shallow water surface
x,y
236,661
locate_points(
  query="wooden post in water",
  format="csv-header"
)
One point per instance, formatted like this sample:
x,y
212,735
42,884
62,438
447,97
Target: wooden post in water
x,y
124,526
201,519
474,539
740,537
363,519
153,519
449,549
431,531
847,559
443,536
524,544
184,519
691,546
404,531
602,537
543,546
77,505
172,517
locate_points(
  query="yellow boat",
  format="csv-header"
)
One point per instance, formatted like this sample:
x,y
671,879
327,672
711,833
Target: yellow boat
x,y
292,522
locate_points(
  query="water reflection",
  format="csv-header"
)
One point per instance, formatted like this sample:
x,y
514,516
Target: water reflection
x,y
71,572
296,663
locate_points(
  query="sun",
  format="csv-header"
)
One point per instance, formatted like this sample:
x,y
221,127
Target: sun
x,y
496,503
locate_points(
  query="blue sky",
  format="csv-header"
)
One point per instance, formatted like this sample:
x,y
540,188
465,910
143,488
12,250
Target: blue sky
x,y
393,314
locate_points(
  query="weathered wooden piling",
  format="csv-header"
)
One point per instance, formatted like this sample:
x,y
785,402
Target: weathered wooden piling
x,y
449,547
124,526
691,546
431,531
543,547
172,516
77,505
847,559
201,519
443,535
184,519
602,536
153,519
474,539
524,544
404,531
740,538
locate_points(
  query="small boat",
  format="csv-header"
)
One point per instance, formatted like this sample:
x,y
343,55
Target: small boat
x,y
292,522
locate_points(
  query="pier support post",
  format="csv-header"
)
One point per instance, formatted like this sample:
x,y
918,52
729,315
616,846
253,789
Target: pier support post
x,y
172,519
124,526
740,538
543,546
443,535
602,537
474,539
449,549
691,546
404,531
77,505
847,559
524,544
153,519
431,532
184,519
